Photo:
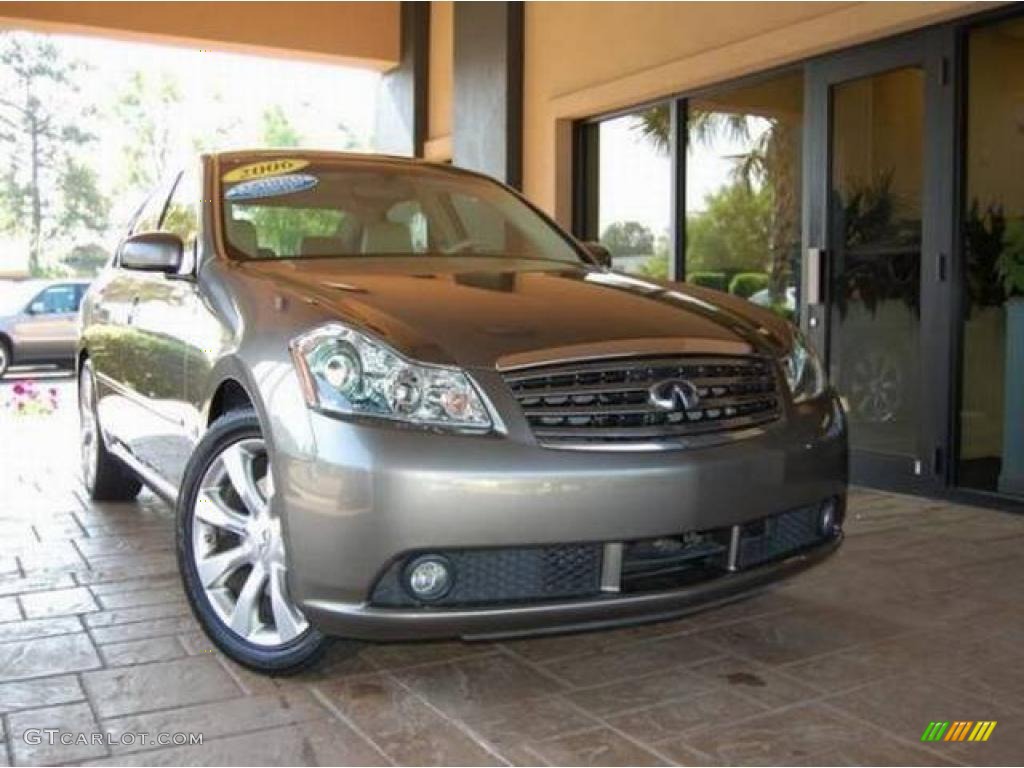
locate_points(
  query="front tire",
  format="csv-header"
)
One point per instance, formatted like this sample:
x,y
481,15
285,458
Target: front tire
x,y
231,552
5,357
105,478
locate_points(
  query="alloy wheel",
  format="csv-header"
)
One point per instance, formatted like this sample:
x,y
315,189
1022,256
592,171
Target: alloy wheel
x,y
238,549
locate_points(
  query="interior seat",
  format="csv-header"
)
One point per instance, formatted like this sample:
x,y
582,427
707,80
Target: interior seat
x,y
386,237
323,246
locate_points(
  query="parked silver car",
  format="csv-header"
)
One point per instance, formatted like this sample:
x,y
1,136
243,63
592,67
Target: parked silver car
x,y
39,322
392,400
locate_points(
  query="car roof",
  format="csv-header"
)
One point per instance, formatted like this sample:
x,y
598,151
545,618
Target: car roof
x,y
326,154
356,158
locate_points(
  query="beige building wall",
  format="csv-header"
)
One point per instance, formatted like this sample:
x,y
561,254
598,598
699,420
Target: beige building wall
x,y
583,59
360,34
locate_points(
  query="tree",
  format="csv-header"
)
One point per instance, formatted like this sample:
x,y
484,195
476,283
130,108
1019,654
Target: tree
x,y
47,191
278,130
771,162
150,107
86,260
628,238
731,234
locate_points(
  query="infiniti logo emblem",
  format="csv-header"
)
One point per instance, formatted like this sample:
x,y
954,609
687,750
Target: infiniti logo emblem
x,y
674,395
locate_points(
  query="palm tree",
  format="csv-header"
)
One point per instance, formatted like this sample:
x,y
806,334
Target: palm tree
x,y
769,161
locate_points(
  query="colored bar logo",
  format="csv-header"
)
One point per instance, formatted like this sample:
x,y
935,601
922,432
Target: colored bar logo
x,y
959,730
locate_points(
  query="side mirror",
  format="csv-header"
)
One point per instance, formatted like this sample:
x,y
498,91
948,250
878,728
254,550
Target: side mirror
x,y
153,252
37,308
601,255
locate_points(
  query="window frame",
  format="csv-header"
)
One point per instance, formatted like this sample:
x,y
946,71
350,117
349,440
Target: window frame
x,y
586,154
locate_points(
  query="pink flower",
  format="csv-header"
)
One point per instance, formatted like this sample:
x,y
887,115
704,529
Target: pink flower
x,y
20,389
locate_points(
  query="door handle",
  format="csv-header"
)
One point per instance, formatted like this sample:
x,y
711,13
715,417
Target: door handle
x,y
813,274
814,267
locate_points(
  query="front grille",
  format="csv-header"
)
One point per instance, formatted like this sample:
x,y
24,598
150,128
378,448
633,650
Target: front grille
x,y
519,575
675,561
609,401
488,576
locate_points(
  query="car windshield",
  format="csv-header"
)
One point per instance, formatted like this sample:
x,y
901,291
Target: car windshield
x,y
296,207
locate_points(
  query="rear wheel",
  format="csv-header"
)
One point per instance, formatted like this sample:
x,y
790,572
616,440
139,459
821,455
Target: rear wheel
x,y
231,552
105,478
5,357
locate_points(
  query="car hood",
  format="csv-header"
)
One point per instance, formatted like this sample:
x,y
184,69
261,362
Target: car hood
x,y
504,313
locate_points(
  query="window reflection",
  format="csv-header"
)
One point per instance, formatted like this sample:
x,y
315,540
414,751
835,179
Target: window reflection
x,y
635,199
875,256
992,383
743,175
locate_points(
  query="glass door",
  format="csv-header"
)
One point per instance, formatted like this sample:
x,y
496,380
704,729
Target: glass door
x,y
991,407
877,230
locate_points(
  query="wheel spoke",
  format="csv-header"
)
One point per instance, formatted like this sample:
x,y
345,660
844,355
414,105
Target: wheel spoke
x,y
253,603
212,510
238,464
243,617
215,568
287,624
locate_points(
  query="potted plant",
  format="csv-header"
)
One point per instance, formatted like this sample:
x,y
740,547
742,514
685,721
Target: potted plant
x,y
1010,267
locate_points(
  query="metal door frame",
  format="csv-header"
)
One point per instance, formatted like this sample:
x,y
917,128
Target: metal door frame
x,y
933,50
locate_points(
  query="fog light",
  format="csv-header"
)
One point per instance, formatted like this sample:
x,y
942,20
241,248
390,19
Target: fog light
x,y
828,519
428,578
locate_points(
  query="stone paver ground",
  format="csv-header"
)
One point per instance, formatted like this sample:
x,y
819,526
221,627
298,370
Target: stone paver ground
x,y
918,618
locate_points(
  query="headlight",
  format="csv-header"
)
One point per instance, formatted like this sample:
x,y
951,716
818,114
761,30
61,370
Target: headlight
x,y
805,374
344,371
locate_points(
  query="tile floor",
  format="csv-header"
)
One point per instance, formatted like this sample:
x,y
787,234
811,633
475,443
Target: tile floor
x,y
918,618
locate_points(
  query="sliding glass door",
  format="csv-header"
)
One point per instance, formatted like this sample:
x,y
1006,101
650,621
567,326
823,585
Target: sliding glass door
x,y
879,185
876,197
991,402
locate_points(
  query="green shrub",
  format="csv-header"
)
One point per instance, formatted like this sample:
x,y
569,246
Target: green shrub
x,y
717,280
746,284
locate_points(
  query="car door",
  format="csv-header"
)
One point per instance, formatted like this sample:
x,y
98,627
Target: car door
x,y
47,330
156,345
112,339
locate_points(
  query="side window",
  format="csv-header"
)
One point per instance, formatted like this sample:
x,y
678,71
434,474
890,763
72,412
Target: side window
x,y
182,216
57,299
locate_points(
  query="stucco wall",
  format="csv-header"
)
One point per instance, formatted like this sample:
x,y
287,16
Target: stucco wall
x,y
362,34
587,58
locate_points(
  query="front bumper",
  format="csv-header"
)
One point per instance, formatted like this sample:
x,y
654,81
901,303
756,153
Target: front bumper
x,y
363,622
369,495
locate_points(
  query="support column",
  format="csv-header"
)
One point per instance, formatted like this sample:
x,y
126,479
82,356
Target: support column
x,y
401,125
487,133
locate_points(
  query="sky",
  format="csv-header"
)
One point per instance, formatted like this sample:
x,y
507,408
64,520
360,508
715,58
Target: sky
x,y
317,98
219,88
